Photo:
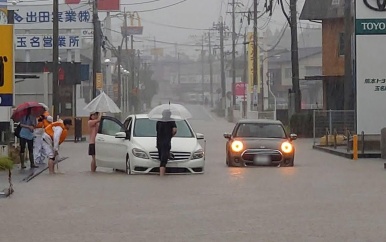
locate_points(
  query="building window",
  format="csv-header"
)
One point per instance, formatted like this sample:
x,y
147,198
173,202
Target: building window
x,y
288,73
341,44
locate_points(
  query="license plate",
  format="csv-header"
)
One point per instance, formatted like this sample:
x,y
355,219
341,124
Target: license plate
x,y
262,159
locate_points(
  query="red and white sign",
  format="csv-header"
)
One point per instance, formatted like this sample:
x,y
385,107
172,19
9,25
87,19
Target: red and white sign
x,y
103,5
109,5
240,89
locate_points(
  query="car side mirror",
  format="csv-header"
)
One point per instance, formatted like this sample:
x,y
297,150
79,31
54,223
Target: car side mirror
x,y
227,136
199,136
293,136
121,135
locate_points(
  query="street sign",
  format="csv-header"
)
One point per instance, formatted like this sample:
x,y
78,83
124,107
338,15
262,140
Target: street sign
x,y
87,33
370,36
70,16
132,30
40,41
6,65
99,81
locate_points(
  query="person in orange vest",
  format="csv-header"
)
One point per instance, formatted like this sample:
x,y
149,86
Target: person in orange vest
x,y
43,121
53,136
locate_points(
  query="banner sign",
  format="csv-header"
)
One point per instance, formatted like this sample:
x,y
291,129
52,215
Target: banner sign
x,y
7,69
36,17
132,30
38,42
103,5
251,49
370,37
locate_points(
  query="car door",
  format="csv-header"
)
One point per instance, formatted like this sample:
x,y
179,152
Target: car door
x,y
110,151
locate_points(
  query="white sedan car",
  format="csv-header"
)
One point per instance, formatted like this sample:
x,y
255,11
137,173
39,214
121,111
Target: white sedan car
x,y
131,146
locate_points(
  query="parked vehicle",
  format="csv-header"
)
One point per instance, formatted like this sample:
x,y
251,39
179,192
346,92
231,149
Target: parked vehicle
x,y
131,146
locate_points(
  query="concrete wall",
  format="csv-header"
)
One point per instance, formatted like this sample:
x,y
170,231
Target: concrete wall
x,y
38,90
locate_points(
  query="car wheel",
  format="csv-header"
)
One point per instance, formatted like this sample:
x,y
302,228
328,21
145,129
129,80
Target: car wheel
x,y
128,170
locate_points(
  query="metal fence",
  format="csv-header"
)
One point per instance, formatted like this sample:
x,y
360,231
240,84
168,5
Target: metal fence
x,y
328,123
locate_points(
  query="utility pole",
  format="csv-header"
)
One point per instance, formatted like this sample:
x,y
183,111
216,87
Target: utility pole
x,y
223,87
255,49
295,56
97,66
202,70
132,63
210,70
138,69
348,86
119,61
55,59
233,54
179,68
245,78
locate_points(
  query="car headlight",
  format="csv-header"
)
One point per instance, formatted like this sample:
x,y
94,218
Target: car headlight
x,y
140,153
198,154
237,146
286,147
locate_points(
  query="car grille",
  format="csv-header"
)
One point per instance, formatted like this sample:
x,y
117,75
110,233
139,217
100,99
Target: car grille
x,y
249,154
178,156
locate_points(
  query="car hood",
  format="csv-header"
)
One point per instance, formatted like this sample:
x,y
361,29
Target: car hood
x,y
148,144
260,143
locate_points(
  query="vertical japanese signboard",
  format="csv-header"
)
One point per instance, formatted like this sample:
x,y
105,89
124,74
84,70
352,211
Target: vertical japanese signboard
x,y
251,49
370,36
6,65
99,81
250,62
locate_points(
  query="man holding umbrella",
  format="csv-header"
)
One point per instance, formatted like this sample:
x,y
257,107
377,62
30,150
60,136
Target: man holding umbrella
x,y
166,129
27,124
26,114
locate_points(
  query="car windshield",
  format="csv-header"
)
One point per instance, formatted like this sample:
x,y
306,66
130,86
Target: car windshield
x,y
145,127
260,130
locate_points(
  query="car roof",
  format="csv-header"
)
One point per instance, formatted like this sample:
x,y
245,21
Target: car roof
x,y
138,116
144,115
259,121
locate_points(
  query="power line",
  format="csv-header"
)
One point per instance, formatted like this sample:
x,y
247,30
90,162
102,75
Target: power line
x,y
167,6
140,3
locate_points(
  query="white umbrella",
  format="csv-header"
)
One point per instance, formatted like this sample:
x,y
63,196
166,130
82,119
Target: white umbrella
x,y
169,112
45,106
102,104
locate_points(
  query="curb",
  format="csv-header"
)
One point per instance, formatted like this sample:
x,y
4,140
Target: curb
x,y
345,154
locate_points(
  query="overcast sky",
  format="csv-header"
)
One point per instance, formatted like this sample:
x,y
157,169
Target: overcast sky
x,y
198,14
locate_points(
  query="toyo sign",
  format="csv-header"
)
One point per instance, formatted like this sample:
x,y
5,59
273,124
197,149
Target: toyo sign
x,y
370,36
370,26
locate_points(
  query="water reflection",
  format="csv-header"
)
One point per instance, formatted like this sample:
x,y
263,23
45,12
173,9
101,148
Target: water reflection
x,y
287,171
237,172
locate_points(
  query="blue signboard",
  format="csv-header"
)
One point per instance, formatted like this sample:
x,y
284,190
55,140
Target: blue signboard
x,y
6,100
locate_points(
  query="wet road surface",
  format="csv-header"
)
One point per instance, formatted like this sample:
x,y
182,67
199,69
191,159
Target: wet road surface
x,y
322,198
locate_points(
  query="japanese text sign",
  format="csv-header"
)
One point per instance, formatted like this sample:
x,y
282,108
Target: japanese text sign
x,y
41,16
38,41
